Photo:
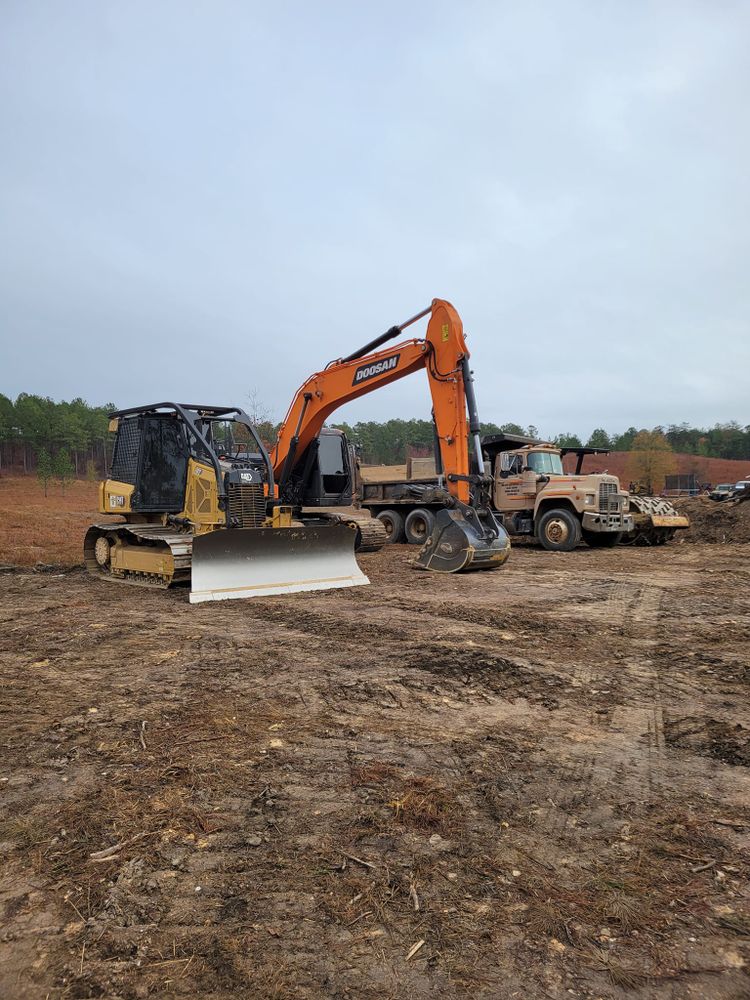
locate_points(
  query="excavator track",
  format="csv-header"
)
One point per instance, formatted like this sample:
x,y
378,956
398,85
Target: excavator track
x,y
371,533
147,555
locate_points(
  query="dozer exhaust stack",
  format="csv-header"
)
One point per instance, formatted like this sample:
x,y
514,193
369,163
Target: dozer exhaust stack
x,y
258,562
462,539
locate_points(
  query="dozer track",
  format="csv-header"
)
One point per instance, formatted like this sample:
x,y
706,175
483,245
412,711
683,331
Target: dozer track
x,y
656,521
148,555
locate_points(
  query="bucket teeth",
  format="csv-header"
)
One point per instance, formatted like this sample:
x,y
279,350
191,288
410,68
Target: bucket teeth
x,y
257,562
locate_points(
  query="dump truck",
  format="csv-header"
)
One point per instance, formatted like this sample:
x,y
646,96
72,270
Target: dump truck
x,y
200,498
532,495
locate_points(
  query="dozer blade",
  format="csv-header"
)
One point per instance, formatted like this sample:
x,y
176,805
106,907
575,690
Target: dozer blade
x,y
459,541
255,562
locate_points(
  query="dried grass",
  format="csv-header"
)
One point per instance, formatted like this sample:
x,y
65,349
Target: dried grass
x,y
38,529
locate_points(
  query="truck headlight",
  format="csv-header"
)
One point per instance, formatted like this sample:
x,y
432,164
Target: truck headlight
x,y
590,499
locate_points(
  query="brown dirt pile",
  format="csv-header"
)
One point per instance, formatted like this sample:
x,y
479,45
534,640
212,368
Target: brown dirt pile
x,y
714,522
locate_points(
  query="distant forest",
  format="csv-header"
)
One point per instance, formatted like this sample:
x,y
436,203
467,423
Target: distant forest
x,y
388,443
32,424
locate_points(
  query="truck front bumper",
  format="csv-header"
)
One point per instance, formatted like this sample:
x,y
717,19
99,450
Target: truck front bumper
x,y
596,521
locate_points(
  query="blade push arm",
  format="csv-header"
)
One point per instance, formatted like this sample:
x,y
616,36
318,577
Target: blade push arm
x,y
444,355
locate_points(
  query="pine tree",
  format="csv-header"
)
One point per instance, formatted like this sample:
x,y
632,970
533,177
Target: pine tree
x,y
44,471
63,468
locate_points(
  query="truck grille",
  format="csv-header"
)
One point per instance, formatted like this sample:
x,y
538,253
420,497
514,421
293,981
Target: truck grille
x,y
247,505
609,501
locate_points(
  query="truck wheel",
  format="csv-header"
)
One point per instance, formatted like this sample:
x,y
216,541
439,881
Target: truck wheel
x,y
601,539
419,525
558,530
393,522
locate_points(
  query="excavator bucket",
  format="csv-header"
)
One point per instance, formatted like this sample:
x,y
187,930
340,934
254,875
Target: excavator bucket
x,y
257,562
461,541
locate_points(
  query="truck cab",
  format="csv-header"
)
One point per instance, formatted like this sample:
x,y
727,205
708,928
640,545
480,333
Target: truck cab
x,y
533,495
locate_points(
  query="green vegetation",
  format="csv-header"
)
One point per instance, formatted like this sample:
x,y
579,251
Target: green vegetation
x,y
388,443
63,468
44,471
33,425
651,459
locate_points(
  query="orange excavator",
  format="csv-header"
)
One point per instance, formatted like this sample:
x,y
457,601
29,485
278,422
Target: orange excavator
x,y
465,535
199,497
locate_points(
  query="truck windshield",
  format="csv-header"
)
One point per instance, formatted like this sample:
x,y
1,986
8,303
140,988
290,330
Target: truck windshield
x,y
545,462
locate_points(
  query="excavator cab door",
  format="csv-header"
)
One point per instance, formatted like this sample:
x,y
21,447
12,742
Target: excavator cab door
x,y
329,481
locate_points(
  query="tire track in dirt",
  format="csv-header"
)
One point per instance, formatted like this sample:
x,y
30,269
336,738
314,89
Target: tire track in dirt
x,y
643,718
617,756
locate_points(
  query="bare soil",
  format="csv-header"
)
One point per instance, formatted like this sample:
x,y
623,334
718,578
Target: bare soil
x,y
714,521
528,783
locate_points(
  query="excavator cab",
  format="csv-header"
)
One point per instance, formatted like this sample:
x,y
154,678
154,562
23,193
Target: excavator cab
x,y
323,476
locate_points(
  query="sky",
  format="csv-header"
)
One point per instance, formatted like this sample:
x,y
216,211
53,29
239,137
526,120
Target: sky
x,y
204,201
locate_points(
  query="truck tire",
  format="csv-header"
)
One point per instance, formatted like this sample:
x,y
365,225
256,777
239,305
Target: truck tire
x,y
558,530
419,525
393,522
602,539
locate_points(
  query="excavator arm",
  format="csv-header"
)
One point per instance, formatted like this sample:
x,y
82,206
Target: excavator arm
x,y
465,535
442,353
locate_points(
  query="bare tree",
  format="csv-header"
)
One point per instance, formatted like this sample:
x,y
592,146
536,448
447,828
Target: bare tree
x,y
257,410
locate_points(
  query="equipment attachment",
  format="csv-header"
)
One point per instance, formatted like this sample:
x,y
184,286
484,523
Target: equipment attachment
x,y
462,539
258,562
656,521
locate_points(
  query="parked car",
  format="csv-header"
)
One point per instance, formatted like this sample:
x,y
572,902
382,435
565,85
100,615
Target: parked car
x,y
722,491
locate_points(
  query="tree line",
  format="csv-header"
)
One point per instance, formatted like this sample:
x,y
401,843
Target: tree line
x,y
36,426
389,443
70,437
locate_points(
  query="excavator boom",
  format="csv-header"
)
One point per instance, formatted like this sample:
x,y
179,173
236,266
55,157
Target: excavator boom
x,y
467,535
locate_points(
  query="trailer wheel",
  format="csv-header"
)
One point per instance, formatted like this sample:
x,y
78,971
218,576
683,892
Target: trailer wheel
x,y
602,539
419,525
558,530
393,522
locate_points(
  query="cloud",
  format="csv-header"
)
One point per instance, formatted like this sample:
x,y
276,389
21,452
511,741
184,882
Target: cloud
x,y
198,201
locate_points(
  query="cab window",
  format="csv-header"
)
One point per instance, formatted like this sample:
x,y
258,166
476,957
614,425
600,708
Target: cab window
x,y
510,465
545,462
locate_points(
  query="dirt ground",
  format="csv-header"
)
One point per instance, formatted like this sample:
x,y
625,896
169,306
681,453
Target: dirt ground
x,y
528,783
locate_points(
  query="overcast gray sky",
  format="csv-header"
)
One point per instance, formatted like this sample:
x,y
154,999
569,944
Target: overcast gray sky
x,y
199,198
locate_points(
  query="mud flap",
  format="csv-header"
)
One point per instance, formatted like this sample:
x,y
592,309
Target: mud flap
x,y
460,541
256,562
